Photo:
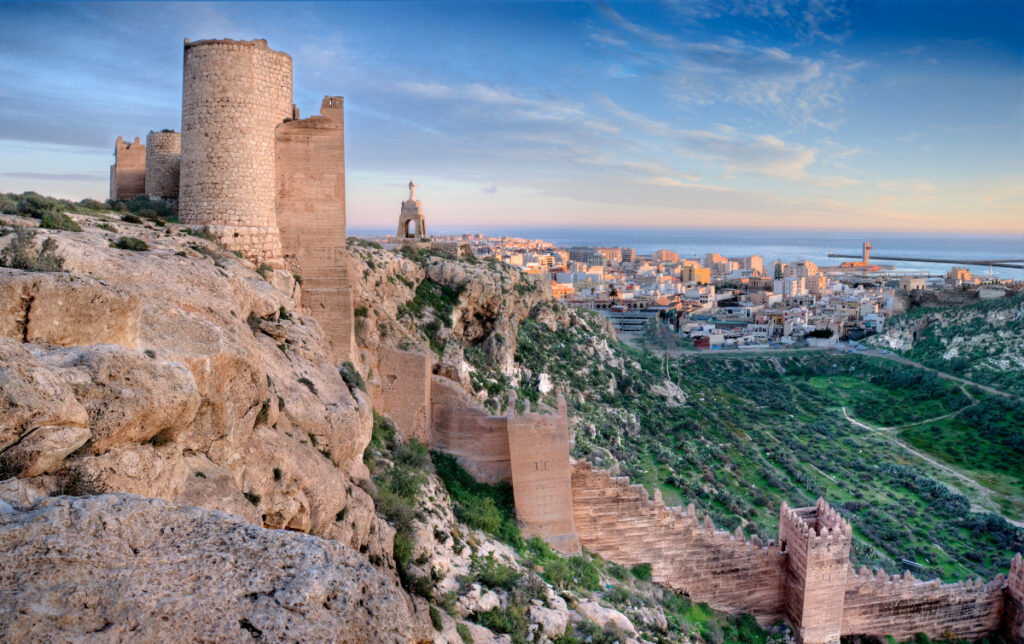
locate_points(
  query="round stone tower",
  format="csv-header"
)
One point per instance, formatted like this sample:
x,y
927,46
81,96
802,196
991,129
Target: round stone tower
x,y
234,93
163,164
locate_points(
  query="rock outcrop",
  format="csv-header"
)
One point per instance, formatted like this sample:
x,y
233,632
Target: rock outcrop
x,y
124,568
182,373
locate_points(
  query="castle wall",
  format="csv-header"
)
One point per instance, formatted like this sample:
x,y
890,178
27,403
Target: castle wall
x,y
1013,610
404,392
463,429
541,478
903,606
128,174
234,94
309,161
163,164
816,541
622,524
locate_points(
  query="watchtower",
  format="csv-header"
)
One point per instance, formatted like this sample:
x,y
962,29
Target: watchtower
x,y
816,541
128,174
411,224
163,164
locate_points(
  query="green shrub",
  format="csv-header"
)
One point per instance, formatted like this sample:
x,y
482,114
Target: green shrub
x,y
252,498
464,633
435,619
131,243
92,204
490,573
264,269
308,383
642,571
59,221
512,620
351,376
131,219
33,204
21,253
481,506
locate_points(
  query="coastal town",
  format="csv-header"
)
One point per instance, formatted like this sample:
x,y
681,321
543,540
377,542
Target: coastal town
x,y
715,301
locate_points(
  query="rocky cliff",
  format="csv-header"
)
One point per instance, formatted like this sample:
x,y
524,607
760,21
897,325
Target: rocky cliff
x,y
156,363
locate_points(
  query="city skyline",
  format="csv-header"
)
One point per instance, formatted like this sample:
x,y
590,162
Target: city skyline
x,y
869,117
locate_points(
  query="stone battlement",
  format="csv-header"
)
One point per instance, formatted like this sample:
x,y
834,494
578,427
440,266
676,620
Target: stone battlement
x,y
257,44
818,524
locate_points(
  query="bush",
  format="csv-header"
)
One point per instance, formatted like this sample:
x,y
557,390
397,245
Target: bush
x,y
642,571
484,507
309,384
33,204
21,253
131,219
131,243
464,633
435,619
59,221
493,574
351,376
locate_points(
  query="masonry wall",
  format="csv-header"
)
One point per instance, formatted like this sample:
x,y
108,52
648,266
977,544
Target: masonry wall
x,y
876,604
541,477
128,174
1013,609
163,164
234,94
816,541
622,524
309,163
463,429
403,394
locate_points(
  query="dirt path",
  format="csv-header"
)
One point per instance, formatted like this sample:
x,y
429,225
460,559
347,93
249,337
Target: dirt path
x,y
979,489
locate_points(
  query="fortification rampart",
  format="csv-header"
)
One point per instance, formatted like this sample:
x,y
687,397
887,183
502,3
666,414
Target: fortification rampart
x,y
309,162
622,524
877,604
234,95
402,392
163,164
1013,610
128,174
541,478
465,430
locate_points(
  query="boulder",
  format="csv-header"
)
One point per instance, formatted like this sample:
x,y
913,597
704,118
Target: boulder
x,y
120,567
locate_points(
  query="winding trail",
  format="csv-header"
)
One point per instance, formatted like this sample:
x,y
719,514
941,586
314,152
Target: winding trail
x,y
979,489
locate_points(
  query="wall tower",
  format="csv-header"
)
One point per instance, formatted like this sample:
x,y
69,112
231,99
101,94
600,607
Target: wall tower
x,y
310,181
128,174
234,95
816,541
163,164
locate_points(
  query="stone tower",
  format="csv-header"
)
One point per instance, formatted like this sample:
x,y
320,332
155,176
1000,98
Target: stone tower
x,y
310,179
128,174
411,224
816,541
234,95
163,164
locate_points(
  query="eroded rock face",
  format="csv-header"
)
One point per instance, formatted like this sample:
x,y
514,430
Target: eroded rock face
x,y
119,568
142,372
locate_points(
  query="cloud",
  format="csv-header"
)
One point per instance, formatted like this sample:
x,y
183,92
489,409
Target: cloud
x,y
489,189
764,155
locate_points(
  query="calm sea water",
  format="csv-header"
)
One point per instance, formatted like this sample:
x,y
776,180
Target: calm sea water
x,y
775,244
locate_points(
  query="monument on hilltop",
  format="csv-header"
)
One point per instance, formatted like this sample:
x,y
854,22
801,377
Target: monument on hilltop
x,y
412,227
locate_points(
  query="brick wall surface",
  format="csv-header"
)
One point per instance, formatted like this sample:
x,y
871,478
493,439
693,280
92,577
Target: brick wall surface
x,y
403,394
234,94
128,174
458,426
876,604
622,524
541,477
309,162
163,164
1013,611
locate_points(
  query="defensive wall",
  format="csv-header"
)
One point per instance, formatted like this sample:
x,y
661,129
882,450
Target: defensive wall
x,y
163,164
309,165
805,578
234,95
529,449
128,174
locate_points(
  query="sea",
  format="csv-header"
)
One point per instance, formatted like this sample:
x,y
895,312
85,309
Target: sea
x,y
784,245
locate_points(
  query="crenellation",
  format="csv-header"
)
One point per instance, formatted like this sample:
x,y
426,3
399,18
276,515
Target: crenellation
x,y
128,173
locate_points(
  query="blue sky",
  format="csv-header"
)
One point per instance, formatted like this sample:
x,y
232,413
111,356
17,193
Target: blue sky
x,y
709,113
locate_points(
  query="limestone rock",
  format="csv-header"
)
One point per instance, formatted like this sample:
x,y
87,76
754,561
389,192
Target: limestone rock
x,y
210,486
551,622
603,616
119,568
42,451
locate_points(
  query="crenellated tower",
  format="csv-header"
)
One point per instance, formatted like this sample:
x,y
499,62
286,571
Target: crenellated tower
x,y
1013,612
816,541
128,174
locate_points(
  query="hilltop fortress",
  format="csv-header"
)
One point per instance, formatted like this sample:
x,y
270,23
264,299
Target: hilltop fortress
x,y
254,175
271,186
